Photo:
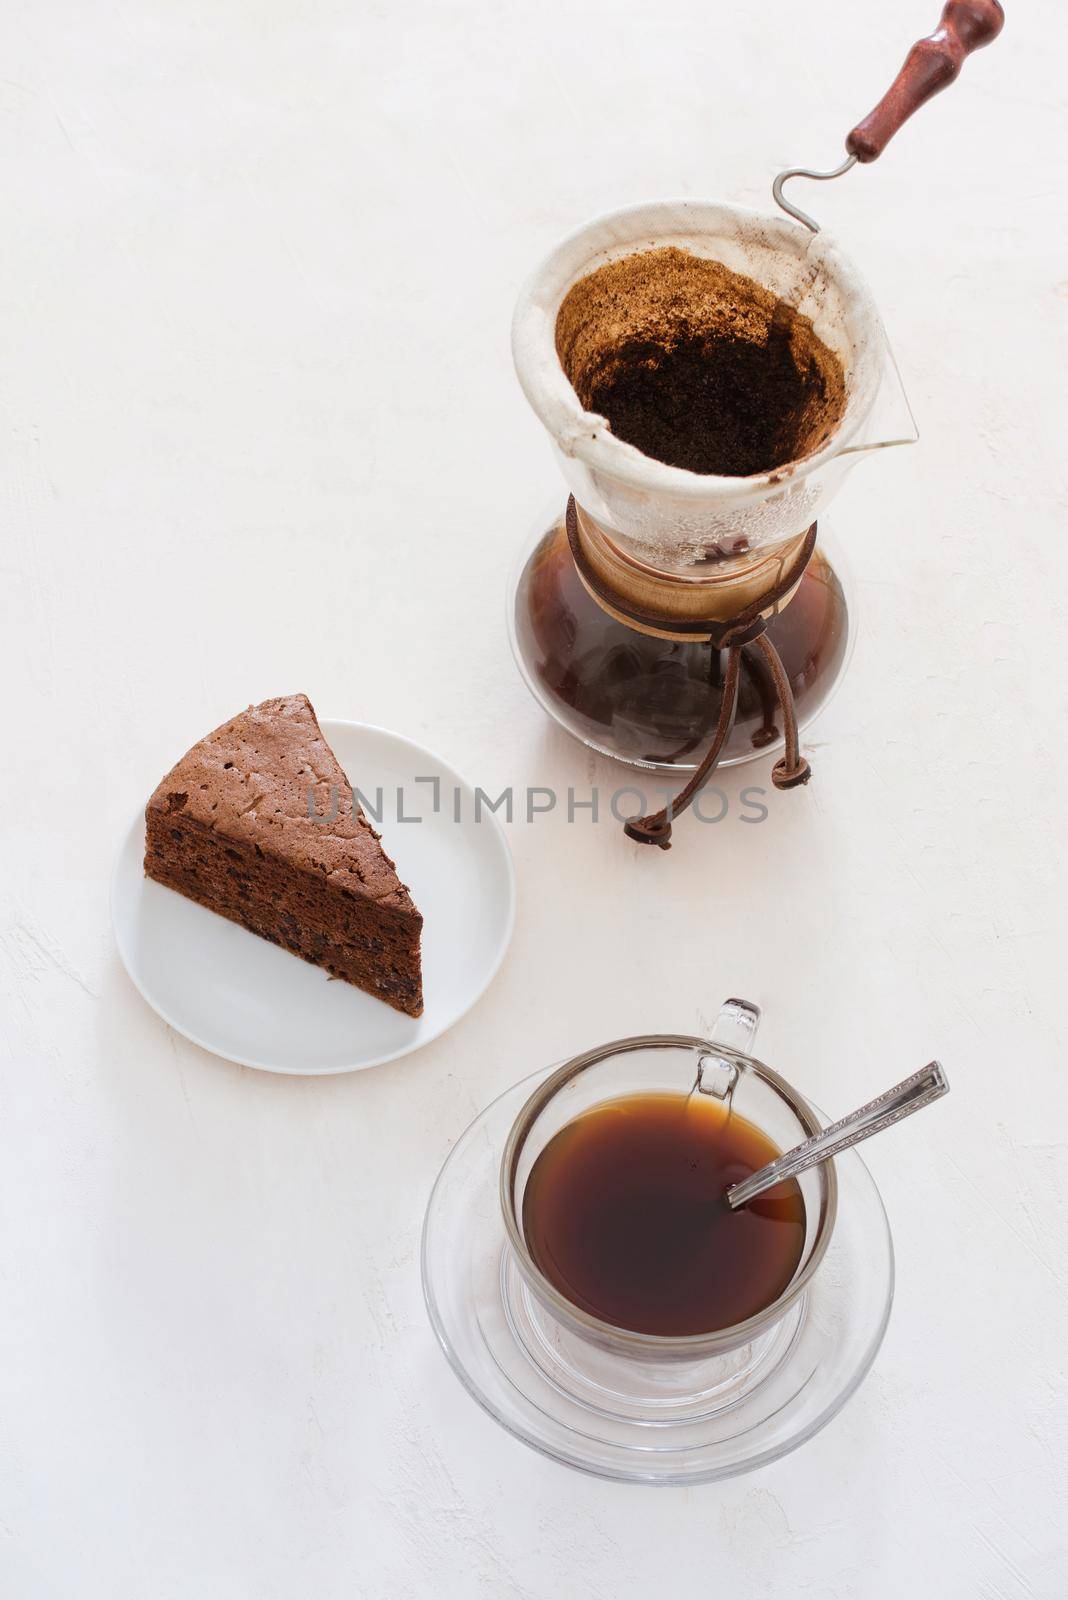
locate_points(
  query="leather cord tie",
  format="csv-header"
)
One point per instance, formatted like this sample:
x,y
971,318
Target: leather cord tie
x,y
748,627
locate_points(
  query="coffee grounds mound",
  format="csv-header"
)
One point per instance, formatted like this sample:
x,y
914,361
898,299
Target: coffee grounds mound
x,y
710,404
698,366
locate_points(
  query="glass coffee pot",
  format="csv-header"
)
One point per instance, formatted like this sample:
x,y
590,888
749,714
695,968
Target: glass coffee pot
x,y
609,615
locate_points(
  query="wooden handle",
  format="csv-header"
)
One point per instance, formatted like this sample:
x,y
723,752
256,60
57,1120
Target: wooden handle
x,y
931,65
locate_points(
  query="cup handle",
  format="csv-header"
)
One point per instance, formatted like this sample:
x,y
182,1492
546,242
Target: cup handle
x,y
734,1029
736,1025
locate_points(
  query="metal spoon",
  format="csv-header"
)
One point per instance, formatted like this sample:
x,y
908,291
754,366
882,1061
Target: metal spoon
x,y
912,1094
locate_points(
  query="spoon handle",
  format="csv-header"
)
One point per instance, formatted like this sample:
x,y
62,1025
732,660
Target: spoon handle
x,y
912,1094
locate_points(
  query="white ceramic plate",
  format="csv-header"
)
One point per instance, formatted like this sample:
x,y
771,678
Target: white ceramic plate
x,y
247,1000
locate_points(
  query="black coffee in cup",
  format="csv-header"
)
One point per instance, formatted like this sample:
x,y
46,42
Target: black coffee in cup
x,y
623,1212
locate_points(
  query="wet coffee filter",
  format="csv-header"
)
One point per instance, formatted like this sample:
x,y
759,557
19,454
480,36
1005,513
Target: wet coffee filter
x,y
707,374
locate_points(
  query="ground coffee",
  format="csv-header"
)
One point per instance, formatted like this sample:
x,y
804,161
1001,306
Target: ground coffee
x,y
699,366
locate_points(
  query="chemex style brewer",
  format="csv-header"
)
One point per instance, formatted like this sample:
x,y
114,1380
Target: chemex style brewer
x,y
708,374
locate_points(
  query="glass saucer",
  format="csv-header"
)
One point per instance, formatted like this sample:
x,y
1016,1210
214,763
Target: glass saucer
x,y
663,1422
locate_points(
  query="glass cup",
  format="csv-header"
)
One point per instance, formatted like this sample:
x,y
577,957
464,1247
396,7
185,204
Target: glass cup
x,y
636,1407
641,1375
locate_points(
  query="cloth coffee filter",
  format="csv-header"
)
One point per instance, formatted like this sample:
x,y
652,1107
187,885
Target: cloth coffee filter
x,y
667,517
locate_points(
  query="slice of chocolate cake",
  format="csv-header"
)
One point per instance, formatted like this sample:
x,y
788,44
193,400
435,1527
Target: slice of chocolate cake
x,y
258,822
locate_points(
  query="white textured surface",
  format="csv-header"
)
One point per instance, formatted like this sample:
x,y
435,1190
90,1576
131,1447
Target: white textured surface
x,y
255,286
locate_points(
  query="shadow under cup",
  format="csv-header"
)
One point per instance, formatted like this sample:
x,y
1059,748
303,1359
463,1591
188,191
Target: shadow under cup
x,y
642,1375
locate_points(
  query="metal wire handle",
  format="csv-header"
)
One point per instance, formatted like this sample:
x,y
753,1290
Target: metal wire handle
x,y
911,1094
806,172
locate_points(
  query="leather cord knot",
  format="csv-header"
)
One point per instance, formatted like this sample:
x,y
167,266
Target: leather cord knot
x,y
649,830
783,776
722,635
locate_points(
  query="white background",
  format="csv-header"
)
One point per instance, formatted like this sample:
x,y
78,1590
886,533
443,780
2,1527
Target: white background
x,y
259,433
